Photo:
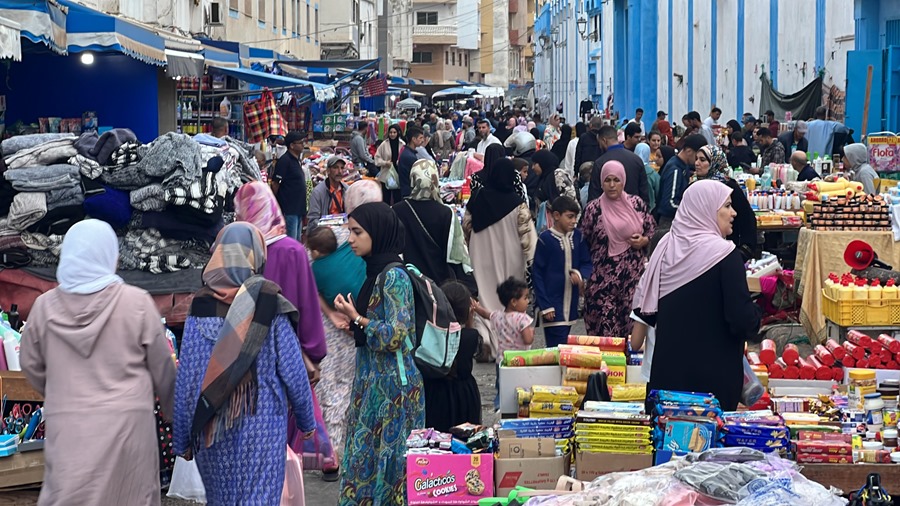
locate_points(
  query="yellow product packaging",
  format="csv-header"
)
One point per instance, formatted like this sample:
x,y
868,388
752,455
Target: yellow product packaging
x,y
523,396
549,415
578,373
637,450
542,393
629,392
579,386
561,408
615,374
603,430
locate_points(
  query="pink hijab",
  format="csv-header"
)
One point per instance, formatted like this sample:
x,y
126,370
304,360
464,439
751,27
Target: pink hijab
x,y
618,215
692,247
254,202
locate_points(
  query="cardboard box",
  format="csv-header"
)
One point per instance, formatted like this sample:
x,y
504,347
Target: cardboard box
x,y
512,447
525,377
439,480
16,388
541,473
591,465
22,469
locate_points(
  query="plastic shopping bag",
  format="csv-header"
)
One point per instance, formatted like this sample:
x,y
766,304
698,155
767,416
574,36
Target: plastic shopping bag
x,y
186,481
753,389
390,178
292,492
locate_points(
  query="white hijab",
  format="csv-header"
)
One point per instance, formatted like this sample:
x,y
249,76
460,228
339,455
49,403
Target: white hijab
x,y
88,260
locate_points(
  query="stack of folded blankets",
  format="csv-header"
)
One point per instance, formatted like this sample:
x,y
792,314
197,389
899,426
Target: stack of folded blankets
x,y
166,199
613,427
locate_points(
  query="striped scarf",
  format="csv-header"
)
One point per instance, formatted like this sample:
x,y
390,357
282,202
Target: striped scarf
x,y
248,303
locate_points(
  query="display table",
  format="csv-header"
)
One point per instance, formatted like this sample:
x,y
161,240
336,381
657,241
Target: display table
x,y
851,477
819,253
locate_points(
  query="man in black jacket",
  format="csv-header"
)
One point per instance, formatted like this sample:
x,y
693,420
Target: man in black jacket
x,y
635,175
588,148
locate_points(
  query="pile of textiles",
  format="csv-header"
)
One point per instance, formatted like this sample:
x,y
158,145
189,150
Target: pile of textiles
x,y
167,199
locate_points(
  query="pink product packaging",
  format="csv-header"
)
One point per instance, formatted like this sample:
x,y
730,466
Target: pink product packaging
x,y
445,480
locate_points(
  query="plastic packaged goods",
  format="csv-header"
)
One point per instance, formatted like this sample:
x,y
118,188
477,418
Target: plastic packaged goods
x,y
767,352
889,343
836,349
540,393
824,355
874,415
807,369
855,351
790,354
520,358
862,383
603,343
752,389
858,338
823,372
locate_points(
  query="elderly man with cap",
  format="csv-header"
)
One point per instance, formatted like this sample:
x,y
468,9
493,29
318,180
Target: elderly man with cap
x,y
804,170
289,184
795,140
328,197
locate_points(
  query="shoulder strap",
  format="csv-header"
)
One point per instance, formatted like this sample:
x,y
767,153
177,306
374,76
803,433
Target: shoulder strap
x,y
422,224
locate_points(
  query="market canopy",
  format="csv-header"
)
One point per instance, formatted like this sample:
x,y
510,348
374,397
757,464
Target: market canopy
x,y
40,21
322,92
10,40
91,30
409,103
184,64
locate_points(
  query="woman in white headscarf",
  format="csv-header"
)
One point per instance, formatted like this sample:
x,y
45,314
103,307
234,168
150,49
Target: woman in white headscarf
x,y
856,158
95,348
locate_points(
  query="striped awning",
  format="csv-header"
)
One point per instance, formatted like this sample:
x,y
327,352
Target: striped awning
x,y
10,40
40,21
91,30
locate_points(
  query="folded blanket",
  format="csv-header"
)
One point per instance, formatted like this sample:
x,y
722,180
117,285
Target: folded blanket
x,y
89,168
85,143
41,242
249,168
48,153
27,209
58,221
173,157
205,194
172,227
148,198
142,242
18,143
110,141
111,206
209,140
72,196
43,178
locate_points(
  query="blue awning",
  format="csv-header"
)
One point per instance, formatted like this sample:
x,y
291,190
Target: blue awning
x,y
594,53
405,81
40,21
90,30
321,91
221,58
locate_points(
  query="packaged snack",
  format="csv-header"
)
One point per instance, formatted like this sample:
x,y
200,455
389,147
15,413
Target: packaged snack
x,y
603,343
613,418
520,358
523,396
619,407
688,436
824,447
810,458
758,443
749,429
629,392
559,408
541,393
577,373
465,430
810,435
579,386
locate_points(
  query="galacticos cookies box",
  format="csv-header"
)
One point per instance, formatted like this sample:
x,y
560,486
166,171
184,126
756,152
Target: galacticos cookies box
x,y
438,480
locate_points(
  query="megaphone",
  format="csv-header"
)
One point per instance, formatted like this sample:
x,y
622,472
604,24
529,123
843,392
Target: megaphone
x,y
859,255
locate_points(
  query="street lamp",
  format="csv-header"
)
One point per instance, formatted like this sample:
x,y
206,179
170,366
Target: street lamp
x,y
582,27
545,42
554,34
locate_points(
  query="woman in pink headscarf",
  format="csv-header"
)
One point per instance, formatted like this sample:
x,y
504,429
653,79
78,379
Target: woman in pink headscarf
x,y
617,227
695,294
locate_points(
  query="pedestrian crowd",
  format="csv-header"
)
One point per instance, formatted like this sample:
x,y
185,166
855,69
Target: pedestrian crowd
x,y
304,331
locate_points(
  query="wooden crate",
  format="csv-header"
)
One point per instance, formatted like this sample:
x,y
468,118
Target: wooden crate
x,y
16,388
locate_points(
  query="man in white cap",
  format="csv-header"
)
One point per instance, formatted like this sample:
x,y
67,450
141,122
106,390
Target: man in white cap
x,y
795,140
328,196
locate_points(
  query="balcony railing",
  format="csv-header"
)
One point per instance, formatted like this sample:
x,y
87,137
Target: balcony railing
x,y
434,30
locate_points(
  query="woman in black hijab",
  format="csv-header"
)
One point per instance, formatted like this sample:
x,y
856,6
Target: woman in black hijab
x,y
559,147
387,401
493,154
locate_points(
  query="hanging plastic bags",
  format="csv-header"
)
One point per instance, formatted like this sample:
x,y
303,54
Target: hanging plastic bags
x,y
292,492
186,482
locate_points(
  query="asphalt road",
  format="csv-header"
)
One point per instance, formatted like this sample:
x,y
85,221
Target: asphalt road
x,y
318,492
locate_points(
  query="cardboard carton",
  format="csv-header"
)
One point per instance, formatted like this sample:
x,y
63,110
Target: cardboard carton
x,y
591,465
444,480
528,462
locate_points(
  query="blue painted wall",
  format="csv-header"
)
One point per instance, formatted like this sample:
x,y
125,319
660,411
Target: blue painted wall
x,y
635,79
122,90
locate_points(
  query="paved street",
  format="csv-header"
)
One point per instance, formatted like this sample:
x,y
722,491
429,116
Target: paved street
x,y
318,492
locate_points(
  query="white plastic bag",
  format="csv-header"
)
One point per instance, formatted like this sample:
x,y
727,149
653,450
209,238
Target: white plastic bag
x,y
186,482
292,493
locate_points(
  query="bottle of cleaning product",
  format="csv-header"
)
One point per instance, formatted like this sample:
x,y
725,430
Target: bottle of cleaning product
x,y
830,287
861,291
11,342
845,292
225,108
889,292
875,291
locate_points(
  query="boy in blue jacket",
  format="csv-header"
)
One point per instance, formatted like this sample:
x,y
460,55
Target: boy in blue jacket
x,y
562,263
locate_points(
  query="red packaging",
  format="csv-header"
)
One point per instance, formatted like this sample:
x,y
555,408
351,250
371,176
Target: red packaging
x,y
886,356
889,343
823,372
824,355
807,369
853,350
848,361
837,374
811,458
862,363
824,447
813,435
878,366
753,358
767,352
836,349
791,372
858,338
790,354
776,370
892,365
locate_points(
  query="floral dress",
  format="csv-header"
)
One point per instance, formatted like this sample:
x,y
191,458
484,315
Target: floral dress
x,y
387,401
610,290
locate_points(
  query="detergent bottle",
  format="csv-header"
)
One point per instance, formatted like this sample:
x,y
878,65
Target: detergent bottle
x,y
861,291
875,292
889,292
845,292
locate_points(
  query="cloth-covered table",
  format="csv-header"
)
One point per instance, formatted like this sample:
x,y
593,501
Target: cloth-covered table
x,y
822,252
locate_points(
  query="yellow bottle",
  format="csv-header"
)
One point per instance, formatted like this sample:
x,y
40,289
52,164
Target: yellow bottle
x,y
861,291
875,292
751,184
831,289
889,291
845,292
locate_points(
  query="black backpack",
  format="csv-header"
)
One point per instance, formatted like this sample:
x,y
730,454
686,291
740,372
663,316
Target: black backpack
x,y
437,331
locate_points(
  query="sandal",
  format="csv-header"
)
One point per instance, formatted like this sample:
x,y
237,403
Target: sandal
x,y
331,475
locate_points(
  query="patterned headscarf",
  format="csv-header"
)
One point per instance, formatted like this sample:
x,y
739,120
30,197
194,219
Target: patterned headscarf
x,y
255,203
424,181
718,163
236,291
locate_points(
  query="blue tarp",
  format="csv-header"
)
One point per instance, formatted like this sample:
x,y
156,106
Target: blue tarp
x,y
264,79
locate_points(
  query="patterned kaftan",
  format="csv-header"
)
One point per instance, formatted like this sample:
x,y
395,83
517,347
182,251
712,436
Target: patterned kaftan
x,y
610,290
387,402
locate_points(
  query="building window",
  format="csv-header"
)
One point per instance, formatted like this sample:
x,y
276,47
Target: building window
x,y
453,57
262,10
317,23
308,21
446,57
467,59
421,57
296,17
426,18
284,22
